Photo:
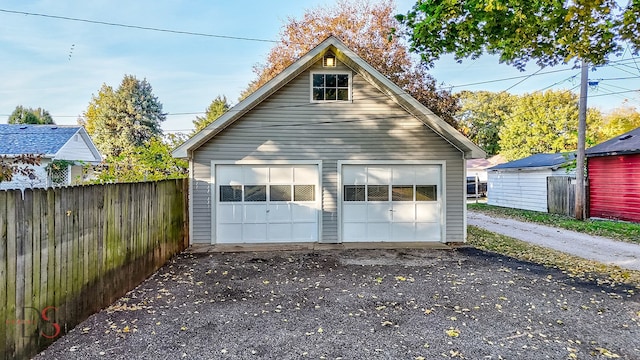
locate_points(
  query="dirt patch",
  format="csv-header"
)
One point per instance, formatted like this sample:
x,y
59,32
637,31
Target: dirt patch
x,y
360,304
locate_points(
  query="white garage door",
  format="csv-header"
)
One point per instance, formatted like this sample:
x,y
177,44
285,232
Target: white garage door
x,y
391,203
266,204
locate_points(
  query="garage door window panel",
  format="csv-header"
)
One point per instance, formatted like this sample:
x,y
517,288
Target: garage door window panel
x,y
255,193
280,193
402,192
354,193
230,193
304,193
378,193
426,193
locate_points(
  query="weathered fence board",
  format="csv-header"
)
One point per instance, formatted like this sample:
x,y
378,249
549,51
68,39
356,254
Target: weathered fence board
x,y
3,269
73,251
561,195
12,260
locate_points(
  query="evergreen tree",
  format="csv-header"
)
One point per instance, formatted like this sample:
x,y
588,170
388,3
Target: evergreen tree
x,y
218,106
122,119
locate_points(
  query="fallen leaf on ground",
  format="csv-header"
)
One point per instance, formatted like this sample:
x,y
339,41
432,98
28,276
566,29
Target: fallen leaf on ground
x,y
453,332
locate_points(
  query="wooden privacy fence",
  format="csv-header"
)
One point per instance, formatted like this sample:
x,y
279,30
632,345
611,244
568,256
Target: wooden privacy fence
x,y
561,195
66,253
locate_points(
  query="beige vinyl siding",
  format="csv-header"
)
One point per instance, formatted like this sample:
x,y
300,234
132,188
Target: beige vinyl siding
x,y
201,200
287,126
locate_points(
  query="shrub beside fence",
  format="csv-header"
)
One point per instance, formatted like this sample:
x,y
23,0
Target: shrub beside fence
x,y
66,253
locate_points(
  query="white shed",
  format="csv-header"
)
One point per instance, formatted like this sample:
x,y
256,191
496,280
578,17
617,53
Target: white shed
x,y
522,184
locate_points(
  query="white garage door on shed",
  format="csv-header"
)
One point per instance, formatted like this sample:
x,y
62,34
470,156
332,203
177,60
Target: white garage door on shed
x,y
266,203
401,203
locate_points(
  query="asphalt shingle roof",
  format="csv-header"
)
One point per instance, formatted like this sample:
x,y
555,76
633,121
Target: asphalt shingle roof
x,y
627,143
538,161
34,139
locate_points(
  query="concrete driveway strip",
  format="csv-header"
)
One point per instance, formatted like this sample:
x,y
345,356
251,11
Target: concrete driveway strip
x,y
596,248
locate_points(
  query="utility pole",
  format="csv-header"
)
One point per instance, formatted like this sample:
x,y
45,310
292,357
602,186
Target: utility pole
x,y
582,129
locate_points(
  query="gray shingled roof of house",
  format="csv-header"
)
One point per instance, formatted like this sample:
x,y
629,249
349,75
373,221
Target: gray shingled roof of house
x,y
34,139
538,161
627,143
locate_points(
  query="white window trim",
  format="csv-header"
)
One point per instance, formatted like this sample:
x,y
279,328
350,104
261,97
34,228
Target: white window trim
x,y
331,72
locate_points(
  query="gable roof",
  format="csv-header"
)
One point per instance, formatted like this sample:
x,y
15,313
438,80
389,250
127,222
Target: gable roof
x,y
349,58
538,161
40,139
627,143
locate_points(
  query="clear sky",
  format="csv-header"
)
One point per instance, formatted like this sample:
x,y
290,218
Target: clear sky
x,y
59,64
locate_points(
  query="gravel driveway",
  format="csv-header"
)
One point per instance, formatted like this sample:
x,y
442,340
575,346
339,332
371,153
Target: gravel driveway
x,y
360,304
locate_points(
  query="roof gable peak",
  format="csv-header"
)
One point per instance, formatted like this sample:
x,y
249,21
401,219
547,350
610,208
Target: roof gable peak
x,y
359,66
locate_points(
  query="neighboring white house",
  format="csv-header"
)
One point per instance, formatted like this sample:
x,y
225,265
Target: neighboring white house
x,y
522,184
478,167
328,151
54,143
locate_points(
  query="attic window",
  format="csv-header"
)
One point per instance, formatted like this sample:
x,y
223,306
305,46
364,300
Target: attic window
x,y
330,86
329,60
76,137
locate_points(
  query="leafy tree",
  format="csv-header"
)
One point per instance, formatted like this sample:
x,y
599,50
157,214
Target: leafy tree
x,y
149,162
218,106
543,122
174,139
365,27
547,31
18,165
619,121
23,115
121,120
482,115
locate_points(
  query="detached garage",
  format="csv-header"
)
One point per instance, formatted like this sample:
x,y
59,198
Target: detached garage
x,y
614,178
328,151
522,183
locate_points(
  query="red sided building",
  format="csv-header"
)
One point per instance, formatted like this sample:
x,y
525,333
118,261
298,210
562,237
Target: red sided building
x,y
614,178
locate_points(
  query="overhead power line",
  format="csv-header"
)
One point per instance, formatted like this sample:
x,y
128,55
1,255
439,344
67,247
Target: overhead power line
x,y
136,26
507,79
